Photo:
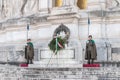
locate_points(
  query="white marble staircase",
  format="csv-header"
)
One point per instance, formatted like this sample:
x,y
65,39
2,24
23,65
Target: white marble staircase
x,y
18,73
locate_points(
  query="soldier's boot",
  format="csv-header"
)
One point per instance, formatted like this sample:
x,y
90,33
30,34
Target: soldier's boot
x,y
31,62
27,61
88,62
92,61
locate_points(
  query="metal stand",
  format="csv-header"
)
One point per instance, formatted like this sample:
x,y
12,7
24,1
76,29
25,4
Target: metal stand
x,y
54,53
27,30
88,24
50,60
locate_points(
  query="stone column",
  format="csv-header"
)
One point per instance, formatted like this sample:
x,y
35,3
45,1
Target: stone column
x,y
58,3
41,6
69,2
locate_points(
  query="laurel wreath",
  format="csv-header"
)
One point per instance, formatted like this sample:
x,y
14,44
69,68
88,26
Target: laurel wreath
x,y
60,44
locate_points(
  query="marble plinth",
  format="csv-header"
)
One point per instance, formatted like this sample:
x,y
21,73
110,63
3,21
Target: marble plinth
x,y
91,65
23,65
56,63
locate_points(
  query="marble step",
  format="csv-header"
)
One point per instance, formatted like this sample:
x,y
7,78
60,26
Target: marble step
x,y
55,63
18,73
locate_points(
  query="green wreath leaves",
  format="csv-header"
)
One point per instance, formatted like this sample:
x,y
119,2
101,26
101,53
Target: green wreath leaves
x,y
60,44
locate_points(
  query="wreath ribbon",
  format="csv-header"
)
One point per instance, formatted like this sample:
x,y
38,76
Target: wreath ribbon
x,y
60,45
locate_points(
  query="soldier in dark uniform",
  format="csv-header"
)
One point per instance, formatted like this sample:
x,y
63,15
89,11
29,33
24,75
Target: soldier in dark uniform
x,y
29,51
91,53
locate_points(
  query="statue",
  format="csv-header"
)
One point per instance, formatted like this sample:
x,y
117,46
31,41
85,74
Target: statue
x,y
29,51
113,4
91,53
16,8
29,6
4,9
10,8
23,6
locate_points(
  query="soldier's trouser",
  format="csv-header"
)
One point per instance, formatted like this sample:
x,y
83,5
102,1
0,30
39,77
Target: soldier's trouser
x,y
29,61
90,60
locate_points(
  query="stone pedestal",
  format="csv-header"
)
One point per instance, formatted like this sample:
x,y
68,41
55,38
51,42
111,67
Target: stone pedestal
x,y
64,58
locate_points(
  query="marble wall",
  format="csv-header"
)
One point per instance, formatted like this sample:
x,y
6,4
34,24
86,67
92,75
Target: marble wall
x,y
104,27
